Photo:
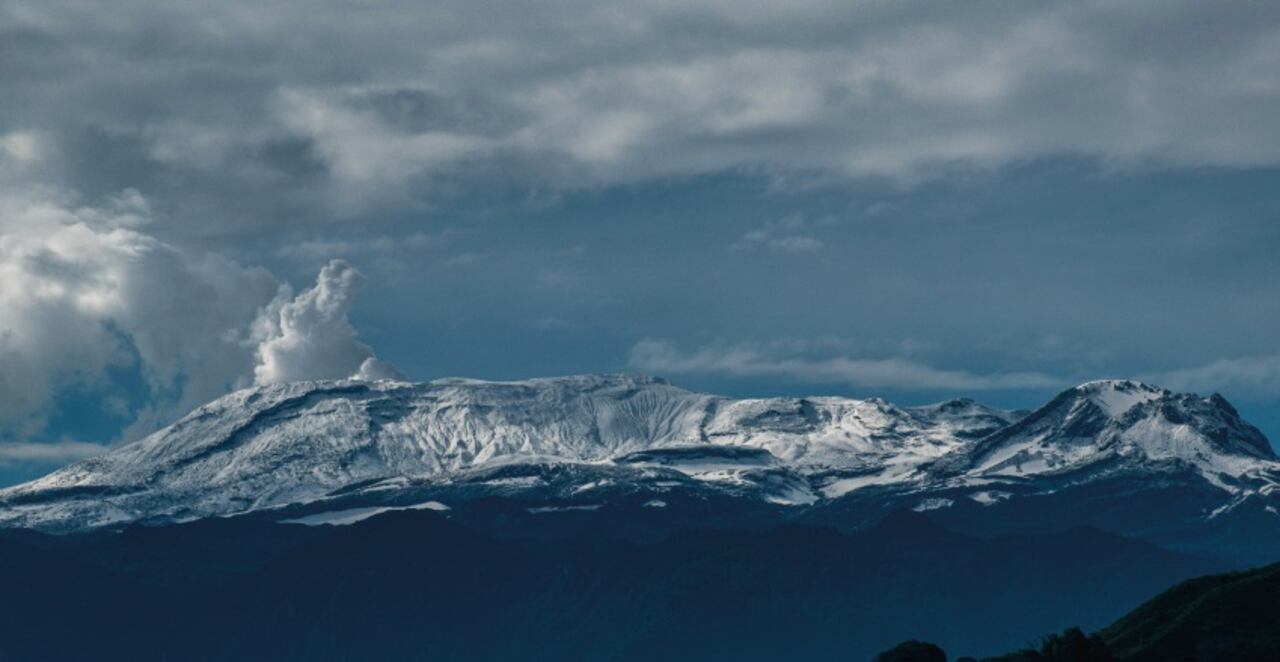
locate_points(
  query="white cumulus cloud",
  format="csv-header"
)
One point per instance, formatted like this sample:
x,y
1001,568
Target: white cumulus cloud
x,y
86,293
84,290
310,336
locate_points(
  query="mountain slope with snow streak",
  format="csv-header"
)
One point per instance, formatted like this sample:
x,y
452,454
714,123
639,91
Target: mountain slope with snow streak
x,y
1107,423
583,441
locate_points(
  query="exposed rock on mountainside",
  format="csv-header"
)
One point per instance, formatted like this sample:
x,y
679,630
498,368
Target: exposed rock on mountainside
x,y
596,440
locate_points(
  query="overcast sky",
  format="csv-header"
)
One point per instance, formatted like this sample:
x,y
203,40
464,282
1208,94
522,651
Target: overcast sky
x,y
911,200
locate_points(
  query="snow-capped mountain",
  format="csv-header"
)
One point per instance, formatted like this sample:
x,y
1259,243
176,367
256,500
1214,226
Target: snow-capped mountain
x,y
355,447
1103,424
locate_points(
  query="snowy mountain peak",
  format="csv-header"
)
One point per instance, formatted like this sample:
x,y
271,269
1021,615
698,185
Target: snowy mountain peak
x,y
1115,397
297,443
281,444
1106,425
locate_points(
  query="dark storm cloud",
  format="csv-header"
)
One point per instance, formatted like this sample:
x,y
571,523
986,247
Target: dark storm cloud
x,y
901,195
392,95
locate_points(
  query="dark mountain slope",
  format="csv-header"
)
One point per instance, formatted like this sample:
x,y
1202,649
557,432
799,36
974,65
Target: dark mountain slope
x,y
415,584
1234,616
53,606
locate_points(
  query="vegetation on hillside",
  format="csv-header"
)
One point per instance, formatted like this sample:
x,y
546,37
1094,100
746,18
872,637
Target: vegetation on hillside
x,y
1230,617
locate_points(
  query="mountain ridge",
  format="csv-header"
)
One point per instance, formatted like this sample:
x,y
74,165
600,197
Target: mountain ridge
x,y
592,440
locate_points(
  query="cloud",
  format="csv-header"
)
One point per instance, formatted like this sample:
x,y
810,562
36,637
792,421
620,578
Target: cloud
x,y
379,247
567,94
51,453
310,337
750,361
783,235
21,147
374,368
87,294
1256,375
365,155
83,290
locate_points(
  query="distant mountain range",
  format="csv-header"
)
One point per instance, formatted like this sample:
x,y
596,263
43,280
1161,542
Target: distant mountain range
x,y
1179,470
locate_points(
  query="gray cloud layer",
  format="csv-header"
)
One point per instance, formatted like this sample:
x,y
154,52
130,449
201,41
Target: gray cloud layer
x,y
1259,375
382,99
54,452
752,361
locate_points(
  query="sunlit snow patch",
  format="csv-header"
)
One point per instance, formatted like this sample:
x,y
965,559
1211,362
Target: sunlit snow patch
x,y
592,485
889,475
1116,397
989,498
932,504
353,515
